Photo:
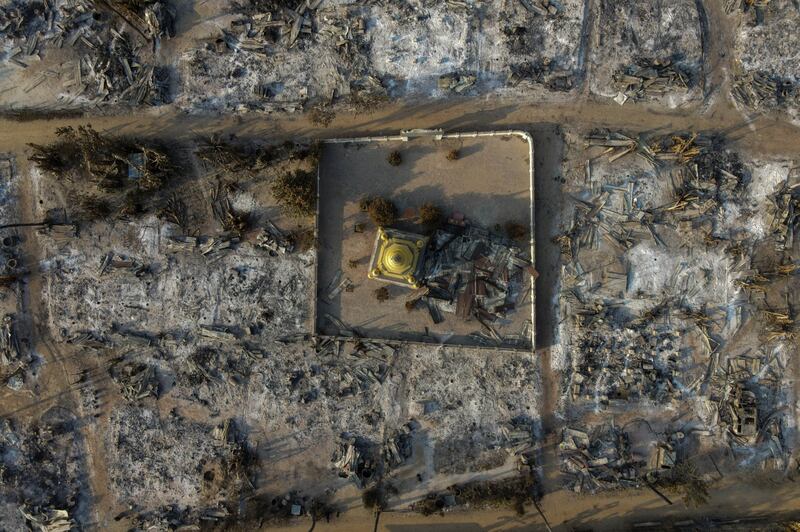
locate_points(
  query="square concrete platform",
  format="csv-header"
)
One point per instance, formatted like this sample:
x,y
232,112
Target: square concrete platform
x,y
489,184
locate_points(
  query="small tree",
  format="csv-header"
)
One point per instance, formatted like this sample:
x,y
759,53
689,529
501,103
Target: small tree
x,y
176,212
363,203
382,211
394,158
303,239
452,155
429,214
695,489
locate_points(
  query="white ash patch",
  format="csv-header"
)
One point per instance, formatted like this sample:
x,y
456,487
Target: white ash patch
x,y
185,290
766,179
659,271
773,46
155,461
754,212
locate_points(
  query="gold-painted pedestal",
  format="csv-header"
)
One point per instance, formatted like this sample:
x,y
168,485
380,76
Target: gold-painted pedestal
x,y
397,257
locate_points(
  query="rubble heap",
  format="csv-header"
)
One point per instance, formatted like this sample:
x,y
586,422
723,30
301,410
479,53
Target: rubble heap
x,y
626,361
357,458
599,461
765,74
471,273
746,391
10,266
269,39
136,449
651,78
136,381
274,240
647,51
111,65
649,309
367,365
786,224
287,57
14,360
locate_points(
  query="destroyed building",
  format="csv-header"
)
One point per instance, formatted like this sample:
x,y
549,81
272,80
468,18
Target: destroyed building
x,y
95,53
765,75
648,51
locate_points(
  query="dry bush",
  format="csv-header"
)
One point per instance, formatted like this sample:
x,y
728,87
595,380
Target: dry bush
x,y
394,158
452,155
255,7
430,214
513,492
377,497
296,192
230,219
157,169
412,305
366,101
175,211
429,505
234,157
685,479
85,153
94,208
133,203
382,211
516,231
66,154
303,239
321,115
382,294
29,115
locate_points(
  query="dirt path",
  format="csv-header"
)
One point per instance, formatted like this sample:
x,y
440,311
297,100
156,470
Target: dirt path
x,y
717,48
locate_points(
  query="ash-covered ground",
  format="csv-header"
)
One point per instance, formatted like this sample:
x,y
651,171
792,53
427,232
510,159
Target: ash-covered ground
x,y
767,52
158,362
323,57
648,50
277,56
678,311
363,52
200,390
172,292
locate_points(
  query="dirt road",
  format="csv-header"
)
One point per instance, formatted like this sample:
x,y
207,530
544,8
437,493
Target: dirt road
x,y
762,133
